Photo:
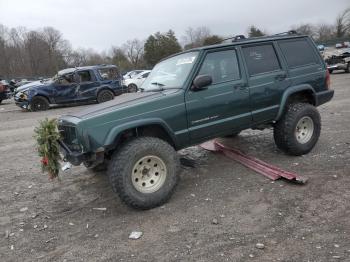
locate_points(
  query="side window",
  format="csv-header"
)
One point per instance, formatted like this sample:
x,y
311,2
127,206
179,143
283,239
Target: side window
x,y
67,79
108,73
298,52
145,75
222,66
84,76
261,59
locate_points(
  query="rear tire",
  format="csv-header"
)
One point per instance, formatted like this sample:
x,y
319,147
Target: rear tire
x,y
104,96
144,172
39,103
297,132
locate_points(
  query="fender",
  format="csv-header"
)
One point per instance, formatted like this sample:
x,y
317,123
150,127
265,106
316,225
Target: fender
x,y
114,133
292,90
34,94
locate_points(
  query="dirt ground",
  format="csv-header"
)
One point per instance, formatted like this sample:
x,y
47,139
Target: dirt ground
x,y
41,220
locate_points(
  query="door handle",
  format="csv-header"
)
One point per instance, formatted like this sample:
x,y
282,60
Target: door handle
x,y
280,77
241,86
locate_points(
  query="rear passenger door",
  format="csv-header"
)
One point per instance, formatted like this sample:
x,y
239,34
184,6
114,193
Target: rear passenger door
x,y
267,80
224,105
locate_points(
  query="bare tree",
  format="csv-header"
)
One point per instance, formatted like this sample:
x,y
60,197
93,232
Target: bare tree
x,y
134,51
325,32
342,23
194,37
306,29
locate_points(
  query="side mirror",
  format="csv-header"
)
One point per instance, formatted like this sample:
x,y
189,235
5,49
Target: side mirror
x,y
201,82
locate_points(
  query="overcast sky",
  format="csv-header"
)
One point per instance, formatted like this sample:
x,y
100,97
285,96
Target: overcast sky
x,y
99,24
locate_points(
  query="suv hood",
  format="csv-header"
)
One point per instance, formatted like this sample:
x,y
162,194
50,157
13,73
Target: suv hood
x,y
121,101
25,87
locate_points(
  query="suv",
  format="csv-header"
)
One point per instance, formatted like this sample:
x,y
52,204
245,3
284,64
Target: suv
x,y
81,84
195,96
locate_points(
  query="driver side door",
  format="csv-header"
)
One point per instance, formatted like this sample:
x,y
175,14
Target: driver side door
x,y
65,89
222,107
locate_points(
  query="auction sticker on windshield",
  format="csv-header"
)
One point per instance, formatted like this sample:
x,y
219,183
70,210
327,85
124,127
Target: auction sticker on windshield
x,y
186,60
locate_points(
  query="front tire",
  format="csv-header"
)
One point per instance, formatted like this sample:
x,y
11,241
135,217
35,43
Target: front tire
x,y
104,96
347,70
39,103
297,132
144,172
132,88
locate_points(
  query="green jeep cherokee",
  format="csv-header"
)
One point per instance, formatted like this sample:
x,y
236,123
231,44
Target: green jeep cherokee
x,y
195,96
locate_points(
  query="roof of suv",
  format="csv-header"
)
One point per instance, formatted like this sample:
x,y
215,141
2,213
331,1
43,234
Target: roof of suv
x,y
69,70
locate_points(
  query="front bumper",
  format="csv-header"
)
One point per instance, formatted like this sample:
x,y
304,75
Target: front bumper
x,y
22,103
324,96
75,158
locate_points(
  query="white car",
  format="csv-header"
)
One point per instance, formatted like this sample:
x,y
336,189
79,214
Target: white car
x,y
132,74
133,84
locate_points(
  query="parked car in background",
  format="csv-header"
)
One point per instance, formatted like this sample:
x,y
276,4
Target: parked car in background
x,y
338,60
82,84
133,84
339,45
5,92
132,74
320,48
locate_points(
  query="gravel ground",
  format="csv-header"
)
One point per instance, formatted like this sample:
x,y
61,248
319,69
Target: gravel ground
x,y
219,212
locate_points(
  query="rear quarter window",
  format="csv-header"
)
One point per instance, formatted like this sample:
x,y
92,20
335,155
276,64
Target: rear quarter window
x,y
261,59
109,73
298,52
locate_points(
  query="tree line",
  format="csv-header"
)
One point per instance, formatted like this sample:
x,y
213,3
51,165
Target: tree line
x,y
42,52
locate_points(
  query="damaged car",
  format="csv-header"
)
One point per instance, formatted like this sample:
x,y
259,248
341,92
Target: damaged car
x,y
73,85
5,92
338,60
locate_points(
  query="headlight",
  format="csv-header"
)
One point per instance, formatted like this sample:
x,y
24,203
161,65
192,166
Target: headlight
x,y
23,95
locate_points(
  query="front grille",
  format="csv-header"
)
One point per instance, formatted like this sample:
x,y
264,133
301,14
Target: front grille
x,y
69,137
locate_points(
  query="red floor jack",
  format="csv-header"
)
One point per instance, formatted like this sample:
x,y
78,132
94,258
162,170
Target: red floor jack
x,y
253,163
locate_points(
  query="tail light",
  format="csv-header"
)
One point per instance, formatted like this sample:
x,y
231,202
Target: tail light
x,y
2,88
328,80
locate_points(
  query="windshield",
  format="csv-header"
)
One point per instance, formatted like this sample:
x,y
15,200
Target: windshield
x,y
170,73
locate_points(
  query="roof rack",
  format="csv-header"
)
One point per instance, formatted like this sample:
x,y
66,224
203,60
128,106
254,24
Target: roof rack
x,y
234,38
290,32
242,37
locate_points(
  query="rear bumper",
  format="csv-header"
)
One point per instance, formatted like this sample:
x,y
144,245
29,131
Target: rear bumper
x,y
323,97
75,158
